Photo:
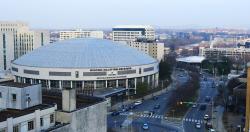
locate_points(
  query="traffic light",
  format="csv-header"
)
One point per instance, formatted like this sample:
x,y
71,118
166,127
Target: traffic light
x,y
181,103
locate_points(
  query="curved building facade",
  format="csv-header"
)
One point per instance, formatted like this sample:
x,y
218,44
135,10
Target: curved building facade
x,y
86,63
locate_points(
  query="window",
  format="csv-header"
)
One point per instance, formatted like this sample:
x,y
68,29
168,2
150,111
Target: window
x,y
77,74
52,118
0,94
41,121
16,128
30,125
3,130
13,97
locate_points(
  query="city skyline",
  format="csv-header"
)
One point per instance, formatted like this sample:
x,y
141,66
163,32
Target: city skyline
x,y
106,14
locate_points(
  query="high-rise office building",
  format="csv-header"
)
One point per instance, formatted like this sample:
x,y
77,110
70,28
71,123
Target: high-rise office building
x,y
126,33
80,34
16,39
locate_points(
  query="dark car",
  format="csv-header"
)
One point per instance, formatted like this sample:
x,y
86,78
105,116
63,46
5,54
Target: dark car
x,y
151,112
132,106
155,98
209,125
207,99
115,113
203,107
157,106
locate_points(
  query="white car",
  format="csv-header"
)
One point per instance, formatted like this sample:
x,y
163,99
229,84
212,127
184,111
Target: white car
x,y
206,117
145,126
198,125
211,130
138,102
194,106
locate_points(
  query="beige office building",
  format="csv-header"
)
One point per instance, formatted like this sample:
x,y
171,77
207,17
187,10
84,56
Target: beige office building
x,y
152,48
80,34
16,39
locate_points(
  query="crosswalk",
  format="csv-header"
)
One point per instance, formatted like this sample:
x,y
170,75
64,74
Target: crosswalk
x,y
162,117
144,115
193,120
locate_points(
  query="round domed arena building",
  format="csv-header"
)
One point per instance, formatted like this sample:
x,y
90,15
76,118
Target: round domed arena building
x,y
86,63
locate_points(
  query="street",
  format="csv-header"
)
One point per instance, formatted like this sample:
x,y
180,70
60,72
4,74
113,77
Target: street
x,y
196,114
134,119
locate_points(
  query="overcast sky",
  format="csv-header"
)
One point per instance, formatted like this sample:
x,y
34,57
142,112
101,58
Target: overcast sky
x,y
108,13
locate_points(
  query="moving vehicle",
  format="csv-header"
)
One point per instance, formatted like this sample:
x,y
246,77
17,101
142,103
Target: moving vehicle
x,y
207,99
194,106
209,125
145,126
203,107
157,106
211,130
206,117
198,125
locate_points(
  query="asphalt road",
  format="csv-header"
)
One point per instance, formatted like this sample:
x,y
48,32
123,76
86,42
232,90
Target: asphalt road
x,y
195,115
139,116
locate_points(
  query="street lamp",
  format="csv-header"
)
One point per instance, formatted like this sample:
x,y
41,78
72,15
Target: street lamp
x,y
173,113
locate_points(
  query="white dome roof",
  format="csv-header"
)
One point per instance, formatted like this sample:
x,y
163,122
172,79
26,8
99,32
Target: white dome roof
x,y
84,53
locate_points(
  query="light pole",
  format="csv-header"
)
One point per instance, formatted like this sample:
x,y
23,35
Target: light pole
x,y
173,113
212,111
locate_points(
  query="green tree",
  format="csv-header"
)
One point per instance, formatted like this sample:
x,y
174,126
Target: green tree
x,y
142,88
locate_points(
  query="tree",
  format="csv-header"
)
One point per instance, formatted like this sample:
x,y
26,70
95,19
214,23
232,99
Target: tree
x,y
166,67
141,88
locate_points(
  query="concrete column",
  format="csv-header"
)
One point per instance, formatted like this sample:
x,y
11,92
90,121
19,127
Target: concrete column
x,y
148,79
126,83
94,84
39,81
60,84
156,80
49,84
82,85
135,84
71,84
153,80
142,79
106,83
37,120
117,84
10,124
31,81
68,99
24,80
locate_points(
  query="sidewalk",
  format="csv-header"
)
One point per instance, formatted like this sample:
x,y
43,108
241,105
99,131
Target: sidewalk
x,y
218,124
149,96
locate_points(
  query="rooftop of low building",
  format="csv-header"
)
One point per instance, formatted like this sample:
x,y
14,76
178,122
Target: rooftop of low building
x,y
55,97
7,113
15,84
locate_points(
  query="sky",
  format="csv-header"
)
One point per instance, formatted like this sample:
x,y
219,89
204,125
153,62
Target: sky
x,y
53,14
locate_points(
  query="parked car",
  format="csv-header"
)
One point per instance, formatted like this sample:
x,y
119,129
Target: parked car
x,y
155,98
145,126
115,113
137,102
